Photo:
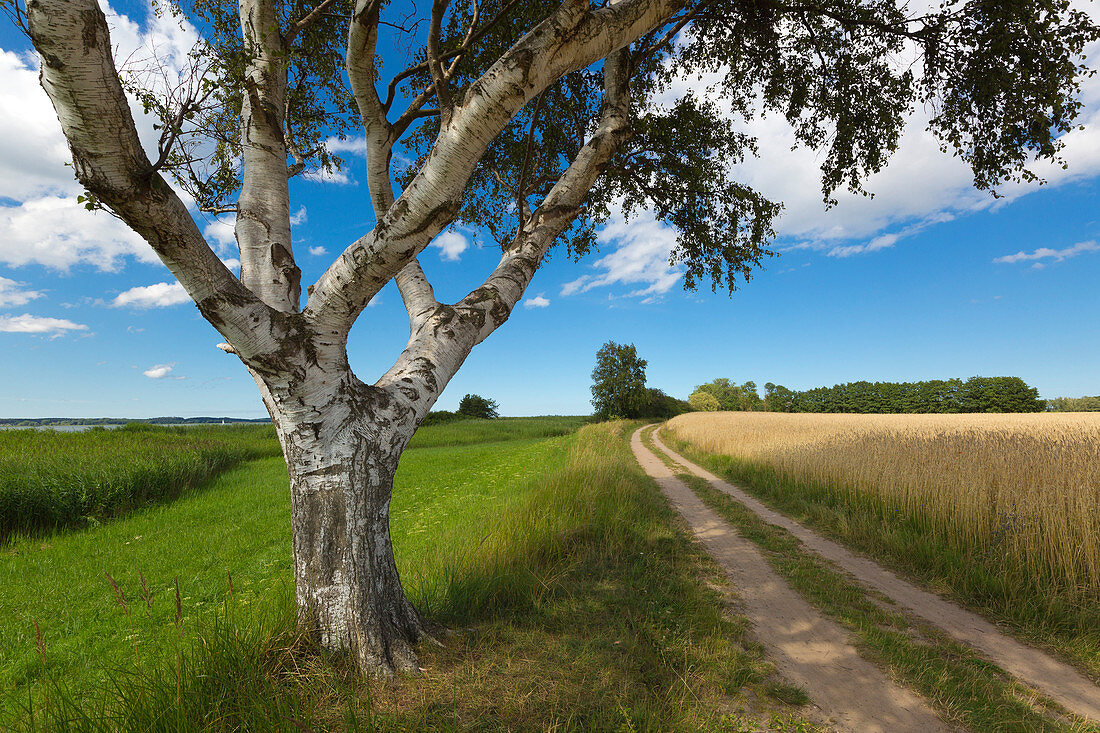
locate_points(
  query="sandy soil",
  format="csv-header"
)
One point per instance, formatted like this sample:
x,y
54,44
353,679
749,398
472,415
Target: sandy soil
x,y
808,649
1031,666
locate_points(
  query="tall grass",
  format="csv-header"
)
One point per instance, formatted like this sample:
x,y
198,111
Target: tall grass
x,y
1004,509
50,480
1025,487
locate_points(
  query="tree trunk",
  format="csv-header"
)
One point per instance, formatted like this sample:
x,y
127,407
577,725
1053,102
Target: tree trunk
x,y
342,453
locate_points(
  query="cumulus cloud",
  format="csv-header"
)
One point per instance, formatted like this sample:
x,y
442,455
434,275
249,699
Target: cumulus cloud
x,y
537,302
59,233
221,231
355,145
1046,253
158,295
318,251
640,258
921,186
160,371
46,225
27,323
33,152
451,245
13,293
298,218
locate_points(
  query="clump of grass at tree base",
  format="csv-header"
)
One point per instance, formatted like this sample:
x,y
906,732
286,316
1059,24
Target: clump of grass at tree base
x,y
982,574
51,480
558,625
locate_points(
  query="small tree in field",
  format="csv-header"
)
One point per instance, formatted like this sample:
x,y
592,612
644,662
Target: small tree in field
x,y
703,401
618,382
531,120
476,406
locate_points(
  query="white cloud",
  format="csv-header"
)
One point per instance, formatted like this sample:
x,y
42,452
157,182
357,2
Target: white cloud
x,y
159,295
59,233
298,218
920,187
355,145
1044,253
46,225
160,371
885,241
27,323
318,251
322,176
221,231
640,258
451,245
12,293
537,302
33,152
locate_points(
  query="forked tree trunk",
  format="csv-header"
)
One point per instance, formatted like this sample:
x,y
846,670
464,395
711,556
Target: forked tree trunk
x,y
342,451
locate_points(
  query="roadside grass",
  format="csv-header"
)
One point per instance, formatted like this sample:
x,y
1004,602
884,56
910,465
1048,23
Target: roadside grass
x,y
573,603
959,684
51,480
977,576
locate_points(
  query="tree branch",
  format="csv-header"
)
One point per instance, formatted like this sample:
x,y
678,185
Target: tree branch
x,y
440,343
263,218
79,75
435,63
378,133
417,294
306,21
574,36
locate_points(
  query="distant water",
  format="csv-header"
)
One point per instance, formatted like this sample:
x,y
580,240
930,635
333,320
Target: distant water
x,y
60,428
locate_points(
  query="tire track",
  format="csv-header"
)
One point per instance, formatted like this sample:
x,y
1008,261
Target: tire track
x,y
1036,668
808,648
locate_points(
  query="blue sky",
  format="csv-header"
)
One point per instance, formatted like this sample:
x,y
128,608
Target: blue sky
x,y
927,280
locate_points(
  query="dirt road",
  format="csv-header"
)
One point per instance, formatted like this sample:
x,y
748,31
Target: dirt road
x,y
809,649
1036,668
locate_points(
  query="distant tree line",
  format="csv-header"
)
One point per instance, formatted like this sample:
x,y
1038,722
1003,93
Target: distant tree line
x,y
1074,404
977,394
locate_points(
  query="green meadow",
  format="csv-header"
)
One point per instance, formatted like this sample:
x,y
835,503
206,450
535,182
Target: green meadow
x,y
530,544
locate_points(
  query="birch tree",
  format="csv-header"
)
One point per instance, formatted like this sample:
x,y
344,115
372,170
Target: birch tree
x,y
531,120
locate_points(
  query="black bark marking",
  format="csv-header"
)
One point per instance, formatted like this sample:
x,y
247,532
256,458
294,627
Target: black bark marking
x,y
90,32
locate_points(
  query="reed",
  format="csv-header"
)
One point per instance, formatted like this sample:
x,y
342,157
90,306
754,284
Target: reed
x,y
50,480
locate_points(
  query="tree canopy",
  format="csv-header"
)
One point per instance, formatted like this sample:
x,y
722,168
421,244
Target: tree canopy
x,y
1001,79
476,406
728,395
618,381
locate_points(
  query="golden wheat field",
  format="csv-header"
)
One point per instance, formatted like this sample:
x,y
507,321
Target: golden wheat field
x,y
1026,485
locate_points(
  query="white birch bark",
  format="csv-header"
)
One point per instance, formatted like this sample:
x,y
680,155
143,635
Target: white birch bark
x,y
263,208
